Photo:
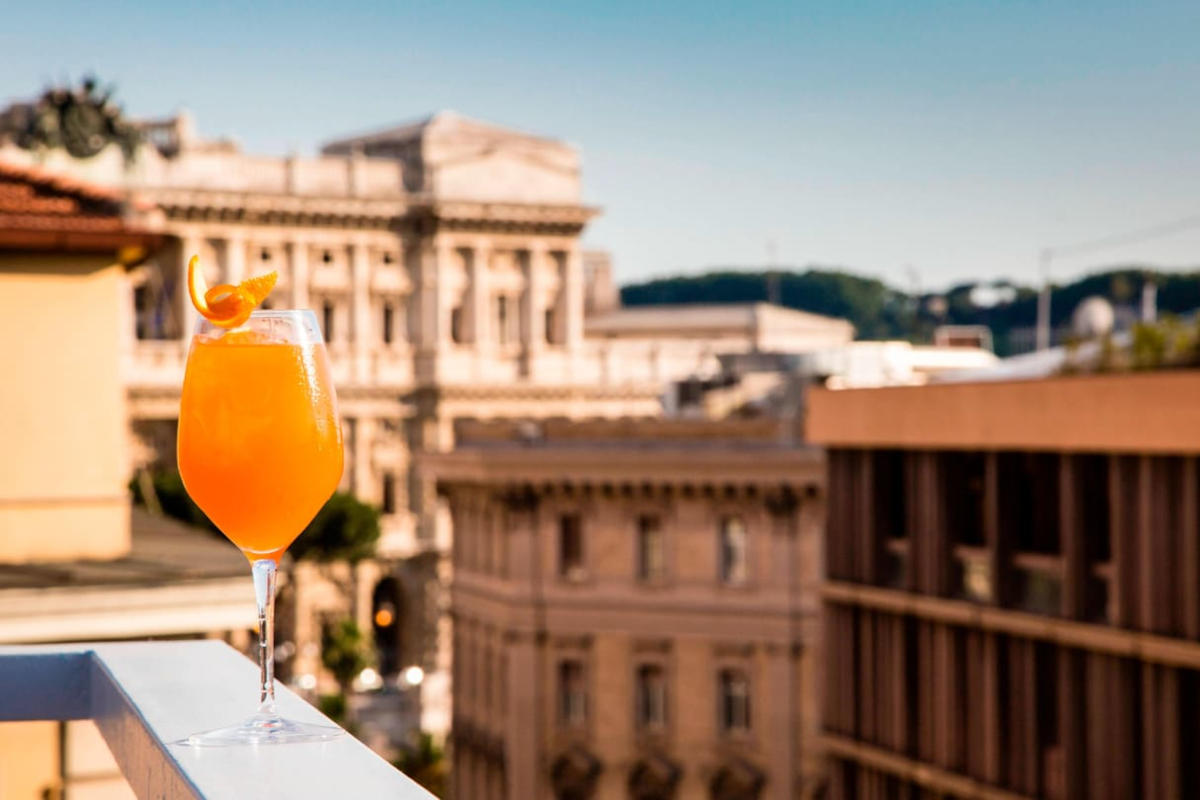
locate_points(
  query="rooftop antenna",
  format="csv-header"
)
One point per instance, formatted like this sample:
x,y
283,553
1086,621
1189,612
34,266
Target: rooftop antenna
x,y
1043,306
772,274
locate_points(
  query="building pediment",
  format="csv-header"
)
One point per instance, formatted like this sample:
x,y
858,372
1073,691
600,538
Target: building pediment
x,y
449,155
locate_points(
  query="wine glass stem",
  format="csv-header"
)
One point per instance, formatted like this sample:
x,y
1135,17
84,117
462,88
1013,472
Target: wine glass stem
x,y
264,593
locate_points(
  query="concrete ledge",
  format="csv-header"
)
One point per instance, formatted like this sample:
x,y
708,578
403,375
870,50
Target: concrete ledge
x,y
146,697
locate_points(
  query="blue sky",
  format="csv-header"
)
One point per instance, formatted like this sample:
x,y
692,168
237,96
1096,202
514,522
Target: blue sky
x,y
952,138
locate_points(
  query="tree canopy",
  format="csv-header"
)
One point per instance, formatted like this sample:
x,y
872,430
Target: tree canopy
x,y
345,529
880,311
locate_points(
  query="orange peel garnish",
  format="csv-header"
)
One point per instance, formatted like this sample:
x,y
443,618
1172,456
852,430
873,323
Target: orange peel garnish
x,y
226,305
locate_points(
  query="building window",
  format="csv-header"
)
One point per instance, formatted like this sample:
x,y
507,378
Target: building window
x,y
733,551
651,697
550,322
326,257
963,477
327,320
651,561
733,700
570,547
265,255
389,493
456,325
572,693
388,258
502,319
389,321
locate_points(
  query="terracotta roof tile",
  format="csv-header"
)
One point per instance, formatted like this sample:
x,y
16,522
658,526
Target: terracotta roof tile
x,y
44,210
56,182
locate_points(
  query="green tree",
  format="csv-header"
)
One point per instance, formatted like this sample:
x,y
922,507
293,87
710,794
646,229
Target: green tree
x,y
345,529
345,651
426,764
168,491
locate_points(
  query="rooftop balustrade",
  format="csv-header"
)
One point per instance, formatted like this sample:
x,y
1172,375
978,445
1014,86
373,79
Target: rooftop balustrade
x,y
147,698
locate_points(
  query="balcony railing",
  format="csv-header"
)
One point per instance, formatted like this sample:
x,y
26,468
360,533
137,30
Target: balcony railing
x,y
147,697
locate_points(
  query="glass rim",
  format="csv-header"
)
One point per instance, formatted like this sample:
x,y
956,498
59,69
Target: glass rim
x,y
268,313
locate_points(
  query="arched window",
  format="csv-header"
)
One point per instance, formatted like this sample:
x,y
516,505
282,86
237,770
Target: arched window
x,y
389,322
570,547
651,697
386,610
733,565
651,561
733,700
572,693
327,320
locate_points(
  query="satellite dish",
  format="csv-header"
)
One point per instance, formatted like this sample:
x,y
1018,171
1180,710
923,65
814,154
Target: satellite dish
x,y
1093,318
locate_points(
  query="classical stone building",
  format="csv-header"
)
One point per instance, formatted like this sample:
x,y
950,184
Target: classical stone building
x,y
1013,588
635,610
443,259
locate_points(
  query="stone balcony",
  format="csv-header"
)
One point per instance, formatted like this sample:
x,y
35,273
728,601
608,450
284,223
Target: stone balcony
x,y
145,698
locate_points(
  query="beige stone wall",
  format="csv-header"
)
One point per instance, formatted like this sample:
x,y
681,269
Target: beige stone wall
x,y
62,409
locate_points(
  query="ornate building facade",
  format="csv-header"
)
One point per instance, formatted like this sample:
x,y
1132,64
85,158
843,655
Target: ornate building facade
x,y
636,610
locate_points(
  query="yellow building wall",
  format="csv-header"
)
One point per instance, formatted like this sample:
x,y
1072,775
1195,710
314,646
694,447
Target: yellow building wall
x,y
62,415
29,760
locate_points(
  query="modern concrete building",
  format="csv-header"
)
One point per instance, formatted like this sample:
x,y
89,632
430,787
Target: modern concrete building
x,y
1013,588
635,610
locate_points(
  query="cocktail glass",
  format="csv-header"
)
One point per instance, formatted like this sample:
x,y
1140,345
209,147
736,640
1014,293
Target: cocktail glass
x,y
260,451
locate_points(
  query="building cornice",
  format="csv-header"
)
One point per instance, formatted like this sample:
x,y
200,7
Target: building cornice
x,y
420,214
475,216
1143,412
535,392
621,466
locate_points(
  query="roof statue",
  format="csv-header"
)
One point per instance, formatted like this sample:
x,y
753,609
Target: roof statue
x,y
83,121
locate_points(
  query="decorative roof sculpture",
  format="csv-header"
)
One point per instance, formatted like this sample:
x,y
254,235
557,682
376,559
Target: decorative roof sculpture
x,y
83,121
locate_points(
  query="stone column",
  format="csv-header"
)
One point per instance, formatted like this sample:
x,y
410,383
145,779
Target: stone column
x,y
360,274
481,333
443,257
433,303
365,487
423,309
235,258
573,297
523,733
535,320
299,257
189,246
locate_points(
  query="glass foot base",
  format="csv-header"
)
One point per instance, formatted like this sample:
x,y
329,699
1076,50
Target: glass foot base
x,y
264,729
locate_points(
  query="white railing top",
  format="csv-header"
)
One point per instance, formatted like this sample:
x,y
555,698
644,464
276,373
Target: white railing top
x,y
147,697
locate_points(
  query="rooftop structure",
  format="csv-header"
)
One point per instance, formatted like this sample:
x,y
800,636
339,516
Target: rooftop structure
x,y
1012,595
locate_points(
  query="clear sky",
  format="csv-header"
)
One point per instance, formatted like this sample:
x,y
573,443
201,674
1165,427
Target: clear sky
x,y
955,138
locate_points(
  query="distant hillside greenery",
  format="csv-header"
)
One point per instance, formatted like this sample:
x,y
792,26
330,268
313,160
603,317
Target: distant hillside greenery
x,y
879,311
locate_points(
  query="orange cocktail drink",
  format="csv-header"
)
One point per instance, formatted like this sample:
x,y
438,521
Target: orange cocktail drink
x,y
260,451
260,447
